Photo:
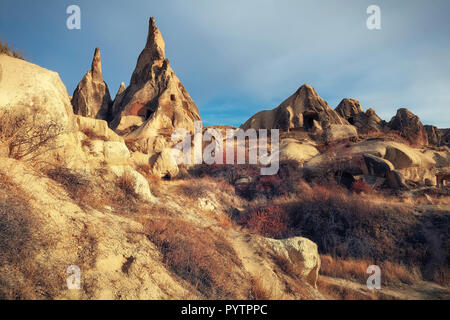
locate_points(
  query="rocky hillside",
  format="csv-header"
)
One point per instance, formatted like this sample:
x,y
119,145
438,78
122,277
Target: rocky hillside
x,y
92,182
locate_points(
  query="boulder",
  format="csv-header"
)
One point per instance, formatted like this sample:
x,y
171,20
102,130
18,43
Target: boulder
x,y
141,186
337,132
96,129
304,109
39,94
395,180
302,253
376,166
155,94
116,153
164,164
300,152
409,126
91,97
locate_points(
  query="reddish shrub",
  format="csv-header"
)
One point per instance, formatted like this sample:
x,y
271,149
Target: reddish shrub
x,y
270,221
361,186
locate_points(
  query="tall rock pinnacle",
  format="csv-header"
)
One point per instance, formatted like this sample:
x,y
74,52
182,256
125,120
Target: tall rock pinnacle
x,y
96,66
91,97
155,96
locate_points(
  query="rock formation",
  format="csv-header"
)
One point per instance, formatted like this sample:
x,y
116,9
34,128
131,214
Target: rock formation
x,y
438,137
155,95
409,126
39,97
91,97
350,109
304,109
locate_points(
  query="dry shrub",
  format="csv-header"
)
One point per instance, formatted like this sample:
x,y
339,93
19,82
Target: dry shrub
x,y
224,221
4,49
269,221
126,183
284,264
78,187
26,136
257,290
198,255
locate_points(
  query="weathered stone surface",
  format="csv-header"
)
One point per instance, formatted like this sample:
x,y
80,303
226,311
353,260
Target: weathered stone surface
x,y
164,164
410,127
155,94
337,132
376,166
141,186
299,152
116,153
27,89
97,129
91,97
303,254
351,110
395,180
304,109
4,150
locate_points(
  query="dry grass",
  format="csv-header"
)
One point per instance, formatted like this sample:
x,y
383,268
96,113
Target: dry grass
x,y
4,49
198,255
336,292
22,276
92,192
257,290
355,270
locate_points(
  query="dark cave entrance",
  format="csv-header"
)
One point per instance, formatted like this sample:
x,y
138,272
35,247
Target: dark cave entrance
x,y
344,178
308,119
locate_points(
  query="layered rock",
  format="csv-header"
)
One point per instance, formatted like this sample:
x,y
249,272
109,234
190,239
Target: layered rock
x,y
91,97
351,110
155,95
409,126
304,109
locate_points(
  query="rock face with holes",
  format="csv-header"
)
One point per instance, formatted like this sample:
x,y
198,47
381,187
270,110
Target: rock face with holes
x,y
91,97
155,96
410,127
304,109
351,110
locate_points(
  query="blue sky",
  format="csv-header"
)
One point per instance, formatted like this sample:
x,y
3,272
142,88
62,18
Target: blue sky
x,y
238,57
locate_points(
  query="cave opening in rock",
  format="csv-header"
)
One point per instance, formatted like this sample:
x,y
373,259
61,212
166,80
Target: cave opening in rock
x,y
344,178
351,120
308,119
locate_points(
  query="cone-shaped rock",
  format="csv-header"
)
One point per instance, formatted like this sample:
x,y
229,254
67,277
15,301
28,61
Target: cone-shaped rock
x,y
304,109
91,97
350,110
155,94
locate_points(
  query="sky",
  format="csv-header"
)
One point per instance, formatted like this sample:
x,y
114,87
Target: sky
x,y
236,58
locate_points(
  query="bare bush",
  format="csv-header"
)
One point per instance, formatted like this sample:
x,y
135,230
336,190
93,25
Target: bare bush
x,y
26,137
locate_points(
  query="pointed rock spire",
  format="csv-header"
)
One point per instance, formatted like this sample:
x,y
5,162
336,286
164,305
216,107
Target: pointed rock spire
x,y
96,66
121,88
91,97
155,41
